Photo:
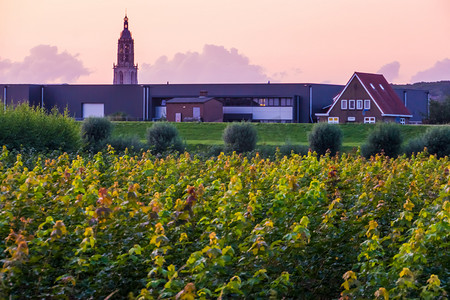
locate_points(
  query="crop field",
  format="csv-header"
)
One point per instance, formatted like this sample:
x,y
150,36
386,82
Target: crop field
x,y
147,227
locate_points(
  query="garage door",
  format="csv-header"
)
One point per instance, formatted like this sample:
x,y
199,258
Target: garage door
x,y
93,110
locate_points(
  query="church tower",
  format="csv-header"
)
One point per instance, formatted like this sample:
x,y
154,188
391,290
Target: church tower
x,y
125,72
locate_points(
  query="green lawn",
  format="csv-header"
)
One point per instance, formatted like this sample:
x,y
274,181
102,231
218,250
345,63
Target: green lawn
x,y
272,134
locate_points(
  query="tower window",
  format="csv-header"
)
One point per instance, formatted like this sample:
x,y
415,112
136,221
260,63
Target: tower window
x,y
121,77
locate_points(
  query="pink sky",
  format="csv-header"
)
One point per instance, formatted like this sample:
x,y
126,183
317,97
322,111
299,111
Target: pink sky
x,y
51,41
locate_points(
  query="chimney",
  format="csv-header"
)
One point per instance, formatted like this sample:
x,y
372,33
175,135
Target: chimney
x,y
203,93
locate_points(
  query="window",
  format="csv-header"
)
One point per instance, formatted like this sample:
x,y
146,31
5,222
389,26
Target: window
x,y
262,101
402,121
351,104
333,120
372,86
369,120
359,104
276,101
270,101
366,104
343,104
288,101
283,101
381,87
351,119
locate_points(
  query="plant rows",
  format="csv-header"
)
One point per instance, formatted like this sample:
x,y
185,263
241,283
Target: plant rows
x,y
147,227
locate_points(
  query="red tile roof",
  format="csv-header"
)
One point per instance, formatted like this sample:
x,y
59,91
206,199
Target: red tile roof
x,y
383,94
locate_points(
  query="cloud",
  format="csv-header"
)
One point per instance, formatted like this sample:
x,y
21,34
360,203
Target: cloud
x,y
390,71
43,65
440,71
215,64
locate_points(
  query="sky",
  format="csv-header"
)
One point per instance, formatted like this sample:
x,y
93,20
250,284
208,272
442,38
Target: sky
x,y
195,41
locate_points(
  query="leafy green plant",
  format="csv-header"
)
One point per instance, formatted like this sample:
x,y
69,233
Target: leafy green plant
x,y
103,225
325,137
24,126
163,137
385,138
240,137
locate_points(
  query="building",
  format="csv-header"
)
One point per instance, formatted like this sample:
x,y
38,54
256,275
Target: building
x,y
261,102
366,98
125,72
200,109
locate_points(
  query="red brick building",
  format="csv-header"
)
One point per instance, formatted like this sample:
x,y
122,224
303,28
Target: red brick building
x,y
201,109
367,98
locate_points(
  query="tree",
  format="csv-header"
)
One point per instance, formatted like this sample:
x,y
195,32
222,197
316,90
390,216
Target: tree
x,y
439,111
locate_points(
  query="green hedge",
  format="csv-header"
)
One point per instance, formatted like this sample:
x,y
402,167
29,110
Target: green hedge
x,y
28,127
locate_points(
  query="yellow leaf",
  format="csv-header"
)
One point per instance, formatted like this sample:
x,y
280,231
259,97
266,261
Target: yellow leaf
x,y
434,280
406,272
346,285
373,225
269,223
408,205
183,237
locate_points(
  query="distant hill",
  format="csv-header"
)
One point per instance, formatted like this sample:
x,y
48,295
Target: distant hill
x,y
438,90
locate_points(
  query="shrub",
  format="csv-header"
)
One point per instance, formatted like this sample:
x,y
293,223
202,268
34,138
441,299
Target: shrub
x,y
385,138
163,137
29,127
437,140
415,145
325,137
95,131
240,137
120,143
287,149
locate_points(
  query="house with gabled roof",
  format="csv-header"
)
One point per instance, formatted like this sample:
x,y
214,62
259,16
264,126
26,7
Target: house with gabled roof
x,y
366,98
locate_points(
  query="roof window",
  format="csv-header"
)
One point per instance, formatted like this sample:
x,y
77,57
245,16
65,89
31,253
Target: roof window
x,y
372,86
381,87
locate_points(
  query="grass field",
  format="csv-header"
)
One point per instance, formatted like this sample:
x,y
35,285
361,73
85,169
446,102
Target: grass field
x,y
271,134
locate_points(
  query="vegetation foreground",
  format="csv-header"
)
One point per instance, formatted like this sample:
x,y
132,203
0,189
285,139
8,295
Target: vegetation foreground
x,y
293,227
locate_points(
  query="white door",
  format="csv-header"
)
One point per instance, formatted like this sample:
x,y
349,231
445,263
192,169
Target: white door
x,y
93,110
177,117
196,113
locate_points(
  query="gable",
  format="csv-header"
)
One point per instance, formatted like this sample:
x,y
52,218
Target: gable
x,y
377,89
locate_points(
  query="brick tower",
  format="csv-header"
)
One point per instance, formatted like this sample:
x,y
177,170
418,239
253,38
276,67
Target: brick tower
x,y
125,72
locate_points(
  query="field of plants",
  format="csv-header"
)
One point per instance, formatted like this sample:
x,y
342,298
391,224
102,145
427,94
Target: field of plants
x,y
151,227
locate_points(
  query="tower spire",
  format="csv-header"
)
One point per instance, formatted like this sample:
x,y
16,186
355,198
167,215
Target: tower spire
x,y
125,20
